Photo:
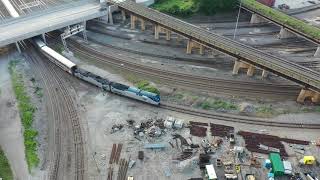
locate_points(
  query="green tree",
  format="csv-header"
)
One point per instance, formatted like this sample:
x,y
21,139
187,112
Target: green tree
x,y
210,7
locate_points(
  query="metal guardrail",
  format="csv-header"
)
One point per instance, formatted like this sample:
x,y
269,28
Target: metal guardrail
x,y
292,71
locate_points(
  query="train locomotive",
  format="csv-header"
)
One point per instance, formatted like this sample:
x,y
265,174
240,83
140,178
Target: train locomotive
x,y
103,83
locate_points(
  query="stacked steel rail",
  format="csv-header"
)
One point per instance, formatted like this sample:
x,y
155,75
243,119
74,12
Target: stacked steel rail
x,y
282,67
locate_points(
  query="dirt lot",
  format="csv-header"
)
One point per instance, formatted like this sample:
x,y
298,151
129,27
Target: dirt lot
x,y
102,111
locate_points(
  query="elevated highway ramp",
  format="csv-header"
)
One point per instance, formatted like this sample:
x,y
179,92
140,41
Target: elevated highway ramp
x,y
32,25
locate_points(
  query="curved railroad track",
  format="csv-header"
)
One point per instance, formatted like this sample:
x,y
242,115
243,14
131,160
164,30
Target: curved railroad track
x,y
283,45
200,83
236,118
67,154
207,114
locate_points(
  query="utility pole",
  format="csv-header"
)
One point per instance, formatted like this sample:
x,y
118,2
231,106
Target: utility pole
x,y
235,30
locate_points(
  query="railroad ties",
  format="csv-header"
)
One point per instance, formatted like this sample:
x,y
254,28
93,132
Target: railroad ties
x,y
246,57
114,159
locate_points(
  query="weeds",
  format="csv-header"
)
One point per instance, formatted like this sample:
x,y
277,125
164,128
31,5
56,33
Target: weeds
x,y
145,85
26,113
218,105
265,111
282,18
5,170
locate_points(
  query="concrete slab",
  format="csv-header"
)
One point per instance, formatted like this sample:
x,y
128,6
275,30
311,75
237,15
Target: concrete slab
x,y
33,25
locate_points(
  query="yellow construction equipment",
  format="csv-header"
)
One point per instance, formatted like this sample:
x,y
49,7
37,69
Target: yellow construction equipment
x,y
309,160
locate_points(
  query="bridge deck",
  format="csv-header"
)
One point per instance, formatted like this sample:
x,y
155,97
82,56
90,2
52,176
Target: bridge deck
x,y
32,25
282,67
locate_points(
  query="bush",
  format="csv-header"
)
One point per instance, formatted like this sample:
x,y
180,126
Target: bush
x,y
210,7
182,8
145,85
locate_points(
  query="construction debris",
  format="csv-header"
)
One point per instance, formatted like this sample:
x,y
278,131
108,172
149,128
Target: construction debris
x,y
116,127
154,146
140,155
198,131
131,163
253,141
220,130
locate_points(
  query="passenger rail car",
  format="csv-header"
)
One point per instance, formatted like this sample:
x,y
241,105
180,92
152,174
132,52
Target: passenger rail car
x,y
103,83
92,78
55,57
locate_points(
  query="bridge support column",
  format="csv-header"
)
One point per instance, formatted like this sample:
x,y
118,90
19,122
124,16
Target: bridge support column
x,y
133,21
265,73
168,35
18,47
123,14
201,49
189,46
110,10
192,44
317,54
284,33
305,93
156,31
143,24
239,64
256,19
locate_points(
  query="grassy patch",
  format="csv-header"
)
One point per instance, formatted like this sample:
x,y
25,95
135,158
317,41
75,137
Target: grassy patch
x,y
185,8
218,105
5,170
317,109
282,18
26,113
145,85
265,111
59,48
141,84
182,8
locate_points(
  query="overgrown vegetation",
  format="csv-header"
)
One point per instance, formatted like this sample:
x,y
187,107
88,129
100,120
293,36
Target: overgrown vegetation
x,y
210,7
282,18
5,170
185,8
141,84
26,110
145,85
218,105
182,8
265,111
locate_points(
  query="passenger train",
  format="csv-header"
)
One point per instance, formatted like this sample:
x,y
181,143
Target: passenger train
x,y
103,83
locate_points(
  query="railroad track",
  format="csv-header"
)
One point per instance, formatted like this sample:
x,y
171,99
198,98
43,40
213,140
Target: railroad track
x,y
236,118
201,83
209,61
67,129
283,67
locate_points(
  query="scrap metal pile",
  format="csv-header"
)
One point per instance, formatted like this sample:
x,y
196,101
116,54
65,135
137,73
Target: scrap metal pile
x,y
262,143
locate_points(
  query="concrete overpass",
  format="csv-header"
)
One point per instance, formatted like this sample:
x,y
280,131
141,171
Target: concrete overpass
x,y
59,17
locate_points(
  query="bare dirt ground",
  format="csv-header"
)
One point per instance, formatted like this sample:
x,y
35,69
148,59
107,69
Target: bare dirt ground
x,y
103,110
11,137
